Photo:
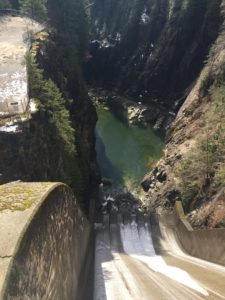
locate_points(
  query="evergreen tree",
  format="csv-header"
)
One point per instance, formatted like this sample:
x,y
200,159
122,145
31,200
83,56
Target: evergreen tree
x,y
69,19
15,4
34,8
5,4
51,104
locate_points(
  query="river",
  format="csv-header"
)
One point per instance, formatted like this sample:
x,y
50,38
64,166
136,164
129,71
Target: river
x,y
125,153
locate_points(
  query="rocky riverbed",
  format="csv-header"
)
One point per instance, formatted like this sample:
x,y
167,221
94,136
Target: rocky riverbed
x,y
137,111
119,198
125,153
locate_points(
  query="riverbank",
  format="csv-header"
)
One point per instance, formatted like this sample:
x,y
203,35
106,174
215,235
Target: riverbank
x,y
125,153
138,112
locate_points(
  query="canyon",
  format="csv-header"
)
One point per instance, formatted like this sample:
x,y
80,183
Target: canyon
x,y
124,106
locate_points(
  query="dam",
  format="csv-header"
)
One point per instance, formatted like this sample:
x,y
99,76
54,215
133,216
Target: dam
x,y
49,250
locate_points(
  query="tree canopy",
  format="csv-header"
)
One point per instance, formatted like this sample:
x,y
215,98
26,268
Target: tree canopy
x,y
34,8
52,105
5,4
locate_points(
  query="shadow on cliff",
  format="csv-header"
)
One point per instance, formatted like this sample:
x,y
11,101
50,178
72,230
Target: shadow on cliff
x,y
117,110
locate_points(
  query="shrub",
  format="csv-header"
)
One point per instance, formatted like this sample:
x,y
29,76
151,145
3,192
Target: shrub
x,y
204,164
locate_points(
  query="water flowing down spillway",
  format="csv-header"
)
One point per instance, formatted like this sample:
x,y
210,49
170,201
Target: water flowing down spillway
x,y
142,260
138,257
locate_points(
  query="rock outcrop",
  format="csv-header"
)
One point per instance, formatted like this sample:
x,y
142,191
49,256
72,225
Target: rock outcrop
x,y
30,149
154,52
151,50
162,183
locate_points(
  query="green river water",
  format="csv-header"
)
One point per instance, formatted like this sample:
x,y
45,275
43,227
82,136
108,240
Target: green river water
x,y
125,153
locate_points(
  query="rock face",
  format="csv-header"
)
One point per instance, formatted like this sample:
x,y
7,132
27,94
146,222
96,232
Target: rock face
x,y
154,52
28,149
162,184
151,50
29,154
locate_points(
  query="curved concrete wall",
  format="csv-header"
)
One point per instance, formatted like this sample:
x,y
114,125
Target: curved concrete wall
x,y
208,244
50,249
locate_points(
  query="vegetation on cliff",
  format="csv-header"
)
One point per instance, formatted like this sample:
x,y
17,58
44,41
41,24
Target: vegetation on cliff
x,y
57,143
202,171
51,106
34,8
64,99
5,4
151,50
65,53
193,165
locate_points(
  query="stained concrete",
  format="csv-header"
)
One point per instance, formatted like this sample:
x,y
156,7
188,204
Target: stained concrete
x,y
15,215
43,244
46,251
208,244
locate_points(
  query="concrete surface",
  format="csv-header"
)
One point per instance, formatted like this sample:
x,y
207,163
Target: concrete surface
x,y
208,244
18,203
46,251
43,243
142,259
14,43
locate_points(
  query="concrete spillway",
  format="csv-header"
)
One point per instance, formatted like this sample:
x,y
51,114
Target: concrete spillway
x,y
144,260
46,242
47,251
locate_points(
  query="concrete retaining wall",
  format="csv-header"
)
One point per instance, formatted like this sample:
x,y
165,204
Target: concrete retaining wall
x,y
205,244
50,255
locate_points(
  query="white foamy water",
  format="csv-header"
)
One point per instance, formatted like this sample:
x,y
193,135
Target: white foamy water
x,y
138,244
108,282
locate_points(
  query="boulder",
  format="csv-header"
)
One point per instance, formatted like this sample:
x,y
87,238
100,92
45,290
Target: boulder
x,y
161,176
146,182
106,181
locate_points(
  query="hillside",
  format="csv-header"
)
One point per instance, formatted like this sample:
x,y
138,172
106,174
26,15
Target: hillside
x,y
169,55
151,51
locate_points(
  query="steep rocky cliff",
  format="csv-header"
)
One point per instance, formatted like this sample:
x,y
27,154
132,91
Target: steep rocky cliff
x,y
56,142
170,56
151,50
189,128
